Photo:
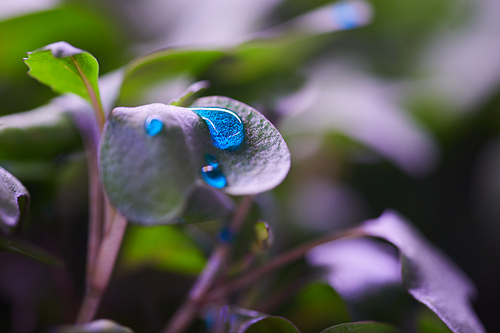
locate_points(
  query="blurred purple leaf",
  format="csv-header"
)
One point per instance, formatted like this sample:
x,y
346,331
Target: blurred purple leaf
x,y
14,201
428,275
361,327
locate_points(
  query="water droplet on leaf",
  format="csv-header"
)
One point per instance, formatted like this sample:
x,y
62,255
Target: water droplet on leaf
x,y
153,125
211,173
225,126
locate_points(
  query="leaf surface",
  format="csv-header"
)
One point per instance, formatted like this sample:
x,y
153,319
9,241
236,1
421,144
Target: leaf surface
x,y
29,250
66,69
262,161
247,321
97,326
361,327
428,275
14,201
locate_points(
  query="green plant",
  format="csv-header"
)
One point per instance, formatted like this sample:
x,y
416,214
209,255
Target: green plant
x,y
177,164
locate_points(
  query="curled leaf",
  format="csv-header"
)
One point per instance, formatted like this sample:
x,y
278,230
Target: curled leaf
x,y
248,321
361,327
14,201
428,275
262,161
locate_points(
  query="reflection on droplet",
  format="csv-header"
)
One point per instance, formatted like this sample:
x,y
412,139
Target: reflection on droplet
x,y
211,173
153,125
225,126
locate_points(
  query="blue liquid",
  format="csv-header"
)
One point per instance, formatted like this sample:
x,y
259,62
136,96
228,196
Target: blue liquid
x,y
153,125
226,128
346,14
211,173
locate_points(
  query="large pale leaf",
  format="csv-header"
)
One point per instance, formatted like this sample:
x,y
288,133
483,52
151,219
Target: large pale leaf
x,y
37,134
14,201
148,178
66,69
262,161
361,327
428,275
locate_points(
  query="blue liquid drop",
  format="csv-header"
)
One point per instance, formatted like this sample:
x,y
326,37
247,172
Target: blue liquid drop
x,y
346,14
225,235
225,126
153,125
211,173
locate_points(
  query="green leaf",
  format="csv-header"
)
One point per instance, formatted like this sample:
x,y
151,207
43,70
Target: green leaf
x,y
160,66
29,250
14,201
361,327
66,69
163,247
263,160
428,275
185,96
247,321
42,133
148,178
97,326
315,307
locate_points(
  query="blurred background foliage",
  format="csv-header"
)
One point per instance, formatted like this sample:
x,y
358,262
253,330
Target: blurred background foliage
x,y
400,113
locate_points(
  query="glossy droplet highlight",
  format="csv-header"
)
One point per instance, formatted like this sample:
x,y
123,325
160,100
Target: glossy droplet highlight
x,y
153,125
225,126
212,174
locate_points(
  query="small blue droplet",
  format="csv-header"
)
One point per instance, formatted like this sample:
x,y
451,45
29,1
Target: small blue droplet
x,y
213,176
225,126
153,125
225,235
346,14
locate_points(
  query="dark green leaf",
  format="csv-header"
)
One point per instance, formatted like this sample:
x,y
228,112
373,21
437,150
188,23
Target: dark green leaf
x,y
163,247
14,201
262,161
160,66
183,99
66,69
38,134
148,178
361,327
28,250
247,321
97,326
315,307
428,275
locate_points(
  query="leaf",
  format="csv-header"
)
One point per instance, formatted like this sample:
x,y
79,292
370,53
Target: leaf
x,y
42,133
247,321
66,69
160,66
29,250
14,201
315,307
163,247
97,326
206,204
361,327
183,99
148,178
428,275
263,160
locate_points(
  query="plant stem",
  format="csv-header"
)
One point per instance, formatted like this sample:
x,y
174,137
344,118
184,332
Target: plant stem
x,y
187,311
103,268
277,262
